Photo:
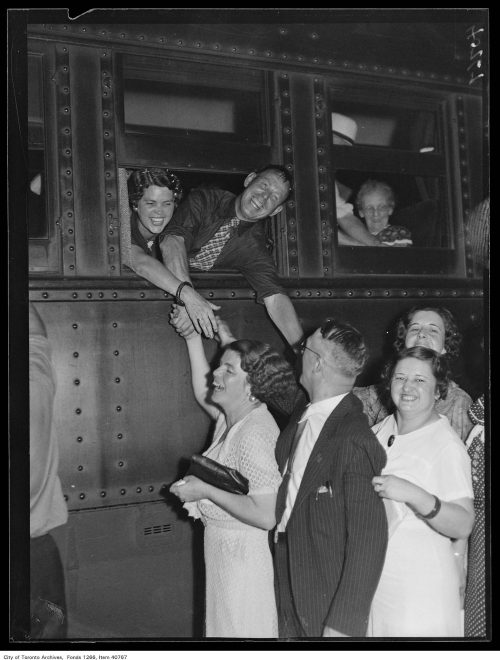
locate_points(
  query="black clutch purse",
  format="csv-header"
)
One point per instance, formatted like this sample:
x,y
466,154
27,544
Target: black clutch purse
x,y
218,475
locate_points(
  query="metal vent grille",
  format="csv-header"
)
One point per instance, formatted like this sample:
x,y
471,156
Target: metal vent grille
x,y
157,529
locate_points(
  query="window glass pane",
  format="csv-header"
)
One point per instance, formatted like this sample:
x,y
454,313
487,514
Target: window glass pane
x,y
167,96
37,212
396,128
35,101
164,107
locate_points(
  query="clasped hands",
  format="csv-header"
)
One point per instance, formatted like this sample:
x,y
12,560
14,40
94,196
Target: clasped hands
x,y
183,325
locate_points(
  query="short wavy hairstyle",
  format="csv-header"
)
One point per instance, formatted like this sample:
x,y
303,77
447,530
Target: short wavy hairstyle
x,y
281,171
372,185
439,366
347,346
452,336
139,180
271,377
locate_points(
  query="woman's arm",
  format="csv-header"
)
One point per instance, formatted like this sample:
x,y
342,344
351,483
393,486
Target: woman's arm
x,y
200,373
152,270
200,311
454,519
255,510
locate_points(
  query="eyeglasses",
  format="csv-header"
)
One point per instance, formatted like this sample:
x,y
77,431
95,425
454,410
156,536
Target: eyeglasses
x,y
371,210
302,348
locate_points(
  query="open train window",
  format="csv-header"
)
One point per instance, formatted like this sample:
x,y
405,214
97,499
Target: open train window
x,y
187,112
388,155
37,213
189,180
44,245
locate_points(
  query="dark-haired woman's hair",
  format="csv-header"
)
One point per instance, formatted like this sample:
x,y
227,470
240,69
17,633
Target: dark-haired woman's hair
x,y
271,377
439,366
452,336
139,180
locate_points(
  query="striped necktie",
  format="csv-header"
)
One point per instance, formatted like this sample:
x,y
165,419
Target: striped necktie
x,y
207,256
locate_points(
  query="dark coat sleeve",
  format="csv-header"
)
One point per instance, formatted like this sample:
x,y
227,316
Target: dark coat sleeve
x,y
366,532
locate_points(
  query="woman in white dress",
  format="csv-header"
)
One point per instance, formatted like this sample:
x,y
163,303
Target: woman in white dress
x,y
240,599
427,489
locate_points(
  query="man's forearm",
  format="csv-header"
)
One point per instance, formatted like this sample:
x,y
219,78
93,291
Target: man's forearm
x,y
355,229
283,315
174,254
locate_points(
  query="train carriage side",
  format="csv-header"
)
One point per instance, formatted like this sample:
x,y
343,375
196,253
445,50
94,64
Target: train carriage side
x,y
105,99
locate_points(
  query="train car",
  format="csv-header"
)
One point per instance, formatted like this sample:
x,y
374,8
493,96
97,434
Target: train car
x,y
212,95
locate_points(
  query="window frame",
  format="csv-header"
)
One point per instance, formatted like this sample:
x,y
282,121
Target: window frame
x,y
181,148
396,261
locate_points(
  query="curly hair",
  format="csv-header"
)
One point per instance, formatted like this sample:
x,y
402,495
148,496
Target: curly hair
x,y
139,180
439,366
271,377
452,336
372,185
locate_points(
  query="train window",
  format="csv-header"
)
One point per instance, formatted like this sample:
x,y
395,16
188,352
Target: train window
x,y
415,203
164,96
390,169
189,179
37,215
393,128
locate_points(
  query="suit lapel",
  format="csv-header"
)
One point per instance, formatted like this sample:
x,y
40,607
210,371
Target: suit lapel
x,y
323,450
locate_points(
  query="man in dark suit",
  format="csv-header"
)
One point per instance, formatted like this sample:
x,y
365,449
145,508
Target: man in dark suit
x,y
331,534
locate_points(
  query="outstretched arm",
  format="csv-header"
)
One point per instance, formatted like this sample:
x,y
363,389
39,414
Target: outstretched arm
x,y
200,373
152,270
283,315
354,232
199,310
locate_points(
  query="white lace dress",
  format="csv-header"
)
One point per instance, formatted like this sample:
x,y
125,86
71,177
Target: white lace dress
x,y
240,599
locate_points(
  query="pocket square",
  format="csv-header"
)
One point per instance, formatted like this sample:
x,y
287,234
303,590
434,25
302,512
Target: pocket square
x,y
322,489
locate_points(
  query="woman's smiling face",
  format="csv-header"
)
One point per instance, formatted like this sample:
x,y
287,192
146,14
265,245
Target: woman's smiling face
x,y
230,382
426,328
413,386
155,210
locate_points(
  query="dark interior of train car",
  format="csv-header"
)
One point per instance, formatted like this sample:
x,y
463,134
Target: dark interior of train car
x,y
97,99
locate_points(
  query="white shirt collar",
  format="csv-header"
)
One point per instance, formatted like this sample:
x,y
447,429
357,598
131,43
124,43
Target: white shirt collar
x,y
324,408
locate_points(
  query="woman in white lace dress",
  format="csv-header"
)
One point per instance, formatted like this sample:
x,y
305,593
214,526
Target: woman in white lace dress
x,y
240,598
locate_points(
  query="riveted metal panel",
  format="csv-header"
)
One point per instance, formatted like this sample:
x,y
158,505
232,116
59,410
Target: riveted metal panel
x,y
397,47
88,162
124,406
306,196
132,572
109,163
66,163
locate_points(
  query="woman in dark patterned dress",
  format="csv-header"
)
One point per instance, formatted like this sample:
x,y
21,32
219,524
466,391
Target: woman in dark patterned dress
x,y
475,593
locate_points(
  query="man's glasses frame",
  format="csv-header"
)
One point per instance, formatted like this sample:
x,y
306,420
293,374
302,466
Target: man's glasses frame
x,y
302,348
